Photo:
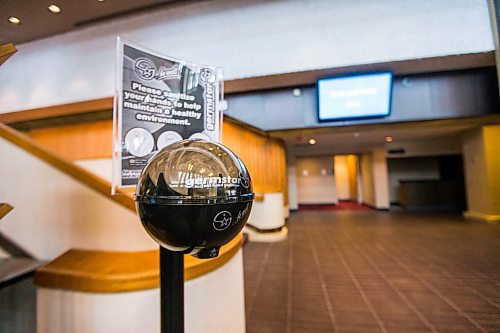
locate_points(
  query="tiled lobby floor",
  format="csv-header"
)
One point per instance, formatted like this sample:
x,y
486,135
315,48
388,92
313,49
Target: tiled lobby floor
x,y
375,272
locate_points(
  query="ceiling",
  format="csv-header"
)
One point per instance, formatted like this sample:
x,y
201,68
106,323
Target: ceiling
x,y
38,22
361,139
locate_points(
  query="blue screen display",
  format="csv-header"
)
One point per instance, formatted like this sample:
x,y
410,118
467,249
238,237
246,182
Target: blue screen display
x,y
357,96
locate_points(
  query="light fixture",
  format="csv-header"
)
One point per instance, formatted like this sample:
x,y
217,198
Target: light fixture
x,y
356,134
54,9
14,20
100,0
312,141
296,92
389,138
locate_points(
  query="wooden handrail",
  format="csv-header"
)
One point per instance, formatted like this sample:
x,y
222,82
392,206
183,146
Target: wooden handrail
x,y
76,172
55,111
111,272
82,175
114,271
5,208
6,51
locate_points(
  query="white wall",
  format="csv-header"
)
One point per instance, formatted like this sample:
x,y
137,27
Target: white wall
x,y
380,178
315,181
375,179
54,213
214,302
247,38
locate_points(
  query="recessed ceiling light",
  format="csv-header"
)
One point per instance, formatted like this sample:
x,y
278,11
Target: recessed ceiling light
x,y
389,139
312,141
356,134
14,20
54,9
100,0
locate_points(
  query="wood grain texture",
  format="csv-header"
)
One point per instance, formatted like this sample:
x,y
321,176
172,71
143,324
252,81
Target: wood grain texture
x,y
79,141
5,208
259,197
6,51
111,272
264,157
194,267
58,110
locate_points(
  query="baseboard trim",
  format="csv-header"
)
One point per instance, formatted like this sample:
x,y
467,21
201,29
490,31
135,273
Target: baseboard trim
x,y
263,231
272,235
319,204
481,216
373,207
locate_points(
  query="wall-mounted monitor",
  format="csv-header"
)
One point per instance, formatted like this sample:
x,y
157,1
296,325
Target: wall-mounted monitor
x,y
354,96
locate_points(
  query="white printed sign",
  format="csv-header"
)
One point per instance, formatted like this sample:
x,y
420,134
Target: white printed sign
x,y
159,100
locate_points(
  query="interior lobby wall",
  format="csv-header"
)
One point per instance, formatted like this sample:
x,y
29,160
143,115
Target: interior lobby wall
x,y
342,177
367,182
246,38
316,181
264,157
380,178
482,162
475,171
53,212
451,145
425,96
492,150
352,169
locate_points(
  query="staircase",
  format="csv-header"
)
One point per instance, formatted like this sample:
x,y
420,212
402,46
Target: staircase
x,y
18,264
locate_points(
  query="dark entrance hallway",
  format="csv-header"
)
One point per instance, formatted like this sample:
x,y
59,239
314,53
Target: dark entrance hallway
x,y
375,272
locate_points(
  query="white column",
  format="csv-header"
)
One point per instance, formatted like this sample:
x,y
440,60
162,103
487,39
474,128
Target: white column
x,y
380,178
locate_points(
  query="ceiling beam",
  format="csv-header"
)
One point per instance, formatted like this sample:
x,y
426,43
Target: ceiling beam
x,y
403,67
277,81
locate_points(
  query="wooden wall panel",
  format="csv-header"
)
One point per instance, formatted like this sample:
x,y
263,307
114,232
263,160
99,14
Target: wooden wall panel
x,y
79,141
264,157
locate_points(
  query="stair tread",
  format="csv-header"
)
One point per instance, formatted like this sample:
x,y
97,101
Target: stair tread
x,y
13,267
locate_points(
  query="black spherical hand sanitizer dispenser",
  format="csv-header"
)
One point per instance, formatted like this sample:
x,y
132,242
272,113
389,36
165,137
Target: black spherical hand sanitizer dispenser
x,y
193,197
